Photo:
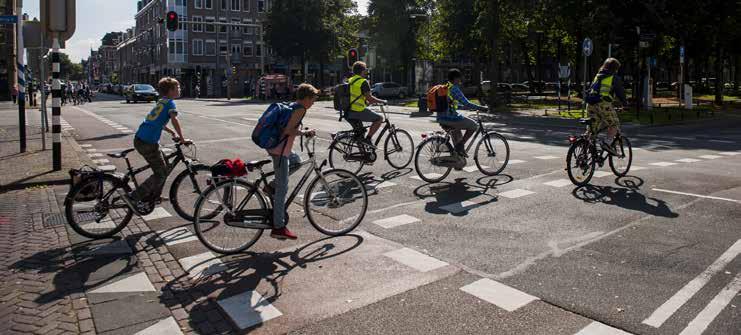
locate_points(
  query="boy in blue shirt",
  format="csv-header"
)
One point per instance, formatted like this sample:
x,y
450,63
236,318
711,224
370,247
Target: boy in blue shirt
x,y
146,141
455,120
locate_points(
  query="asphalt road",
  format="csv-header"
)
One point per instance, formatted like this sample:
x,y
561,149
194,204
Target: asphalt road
x,y
525,252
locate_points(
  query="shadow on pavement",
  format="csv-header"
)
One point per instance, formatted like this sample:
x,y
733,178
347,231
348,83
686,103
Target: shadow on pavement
x,y
105,137
628,197
446,193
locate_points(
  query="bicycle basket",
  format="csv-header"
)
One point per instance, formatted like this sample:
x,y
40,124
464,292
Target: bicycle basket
x,y
91,190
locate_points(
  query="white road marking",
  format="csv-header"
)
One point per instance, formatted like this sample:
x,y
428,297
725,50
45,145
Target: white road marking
x,y
101,161
689,160
472,168
722,141
432,175
701,322
158,213
730,153
86,145
517,193
460,207
697,195
248,309
136,283
107,168
516,161
665,311
545,157
600,174
114,248
681,138
226,121
230,139
204,264
164,326
396,221
598,328
381,185
711,156
637,168
415,259
663,164
505,297
91,150
558,183
176,236
95,155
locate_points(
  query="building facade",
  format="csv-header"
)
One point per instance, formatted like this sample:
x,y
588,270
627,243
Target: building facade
x,y
7,51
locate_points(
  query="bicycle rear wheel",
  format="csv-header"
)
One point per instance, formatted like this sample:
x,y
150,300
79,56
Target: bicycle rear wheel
x,y
429,156
345,152
580,162
492,154
187,187
222,232
620,165
335,203
94,207
399,148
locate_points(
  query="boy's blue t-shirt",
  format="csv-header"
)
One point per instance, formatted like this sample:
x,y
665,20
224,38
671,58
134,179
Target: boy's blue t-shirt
x,y
151,129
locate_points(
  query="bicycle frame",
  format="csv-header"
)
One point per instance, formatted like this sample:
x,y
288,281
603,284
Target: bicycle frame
x,y
171,164
480,130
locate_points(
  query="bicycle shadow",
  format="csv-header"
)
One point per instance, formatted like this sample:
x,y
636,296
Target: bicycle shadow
x,y
453,198
628,197
491,182
246,272
373,184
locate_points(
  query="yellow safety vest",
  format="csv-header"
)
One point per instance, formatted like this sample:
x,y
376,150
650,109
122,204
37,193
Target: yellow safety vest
x,y
605,88
356,83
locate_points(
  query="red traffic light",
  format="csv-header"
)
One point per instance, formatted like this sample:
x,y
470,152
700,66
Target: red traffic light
x,y
172,21
353,53
172,16
352,57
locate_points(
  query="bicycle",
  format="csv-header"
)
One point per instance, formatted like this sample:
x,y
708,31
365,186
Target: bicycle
x,y
584,154
233,212
435,156
351,151
95,206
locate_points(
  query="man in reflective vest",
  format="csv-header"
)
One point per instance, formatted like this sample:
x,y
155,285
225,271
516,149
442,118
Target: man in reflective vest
x,y
609,86
361,97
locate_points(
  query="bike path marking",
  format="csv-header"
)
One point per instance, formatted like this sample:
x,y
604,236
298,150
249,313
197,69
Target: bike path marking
x,y
415,259
503,296
164,326
598,328
396,221
701,322
696,195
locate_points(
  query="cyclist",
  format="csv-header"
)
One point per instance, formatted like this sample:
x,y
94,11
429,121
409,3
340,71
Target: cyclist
x,y
285,161
360,98
608,86
455,120
146,140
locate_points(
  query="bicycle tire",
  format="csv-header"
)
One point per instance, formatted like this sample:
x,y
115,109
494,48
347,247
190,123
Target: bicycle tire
x,y
75,193
398,134
176,200
356,187
624,142
198,220
483,167
435,140
337,153
584,146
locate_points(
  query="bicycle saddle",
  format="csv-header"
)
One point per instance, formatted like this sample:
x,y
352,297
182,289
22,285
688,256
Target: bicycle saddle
x,y
121,154
257,164
586,121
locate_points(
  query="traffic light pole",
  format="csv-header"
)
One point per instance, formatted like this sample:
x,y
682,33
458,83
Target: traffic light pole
x,y
56,106
21,79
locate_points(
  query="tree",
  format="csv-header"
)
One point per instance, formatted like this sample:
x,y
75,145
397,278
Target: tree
x,y
69,70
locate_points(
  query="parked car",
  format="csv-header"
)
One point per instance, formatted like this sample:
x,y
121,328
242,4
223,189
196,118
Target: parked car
x,y
520,88
141,92
501,87
390,89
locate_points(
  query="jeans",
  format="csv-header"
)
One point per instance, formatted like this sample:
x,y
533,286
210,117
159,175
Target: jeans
x,y
284,167
152,187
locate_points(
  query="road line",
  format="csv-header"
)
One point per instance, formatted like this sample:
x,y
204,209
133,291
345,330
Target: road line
x,y
722,141
158,213
101,161
697,195
730,153
516,161
229,139
164,326
505,297
248,309
665,311
600,174
205,264
396,221
637,168
711,311
689,160
663,164
395,206
415,259
711,156
107,168
226,121
136,283
460,207
516,193
558,183
472,168
95,155
598,328
545,157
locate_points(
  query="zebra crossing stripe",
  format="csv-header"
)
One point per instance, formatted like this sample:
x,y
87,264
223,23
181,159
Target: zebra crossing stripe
x,y
202,265
503,296
248,309
597,328
701,322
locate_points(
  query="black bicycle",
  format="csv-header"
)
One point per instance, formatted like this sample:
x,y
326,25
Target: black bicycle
x,y
435,156
233,212
586,152
351,151
95,206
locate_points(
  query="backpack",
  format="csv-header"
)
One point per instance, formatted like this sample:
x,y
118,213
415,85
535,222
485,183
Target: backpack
x,y
437,98
269,128
342,101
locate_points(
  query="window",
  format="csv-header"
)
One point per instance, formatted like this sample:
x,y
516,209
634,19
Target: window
x,y
235,25
176,46
248,30
261,6
198,4
197,47
222,27
210,28
236,48
210,47
179,2
181,22
258,50
223,47
236,5
208,4
246,5
197,25
247,49
224,4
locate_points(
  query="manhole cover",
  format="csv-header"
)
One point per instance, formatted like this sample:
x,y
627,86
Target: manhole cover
x,y
54,220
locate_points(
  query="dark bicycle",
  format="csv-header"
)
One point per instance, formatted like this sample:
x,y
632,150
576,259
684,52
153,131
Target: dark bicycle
x,y
95,206
435,156
351,151
233,212
586,152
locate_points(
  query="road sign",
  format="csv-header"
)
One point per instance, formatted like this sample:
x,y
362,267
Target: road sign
x,y
587,47
564,71
681,54
8,19
59,17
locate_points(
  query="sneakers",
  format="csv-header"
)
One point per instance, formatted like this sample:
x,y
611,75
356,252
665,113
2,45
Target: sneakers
x,y
283,234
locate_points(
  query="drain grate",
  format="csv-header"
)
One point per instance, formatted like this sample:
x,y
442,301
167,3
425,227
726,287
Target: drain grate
x,y
54,220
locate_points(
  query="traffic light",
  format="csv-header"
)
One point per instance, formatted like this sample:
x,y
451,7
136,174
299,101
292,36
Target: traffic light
x,y
352,57
172,21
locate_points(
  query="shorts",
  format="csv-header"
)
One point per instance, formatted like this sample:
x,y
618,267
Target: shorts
x,y
366,115
464,123
604,116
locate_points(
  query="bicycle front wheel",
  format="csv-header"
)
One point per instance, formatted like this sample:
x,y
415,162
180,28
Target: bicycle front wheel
x,y
94,208
236,203
492,154
580,162
399,149
345,153
335,202
187,187
429,161
620,164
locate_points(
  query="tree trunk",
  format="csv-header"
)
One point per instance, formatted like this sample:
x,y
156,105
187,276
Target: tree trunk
x,y
718,74
493,40
321,74
737,75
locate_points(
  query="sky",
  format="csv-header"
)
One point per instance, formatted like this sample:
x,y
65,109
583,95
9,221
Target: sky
x,y
97,17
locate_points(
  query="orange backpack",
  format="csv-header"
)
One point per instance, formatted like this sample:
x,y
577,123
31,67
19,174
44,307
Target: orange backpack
x,y
437,98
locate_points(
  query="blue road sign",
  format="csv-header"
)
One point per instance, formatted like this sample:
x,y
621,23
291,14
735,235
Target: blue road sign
x,y
8,19
587,47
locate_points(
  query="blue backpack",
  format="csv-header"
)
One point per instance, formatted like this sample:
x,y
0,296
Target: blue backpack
x,y
269,128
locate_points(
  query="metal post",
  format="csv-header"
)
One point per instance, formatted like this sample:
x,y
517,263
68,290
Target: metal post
x,y
44,117
56,106
609,50
584,89
21,77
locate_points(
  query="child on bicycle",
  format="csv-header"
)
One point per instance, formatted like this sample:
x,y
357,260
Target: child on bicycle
x,y
285,161
146,141
455,120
